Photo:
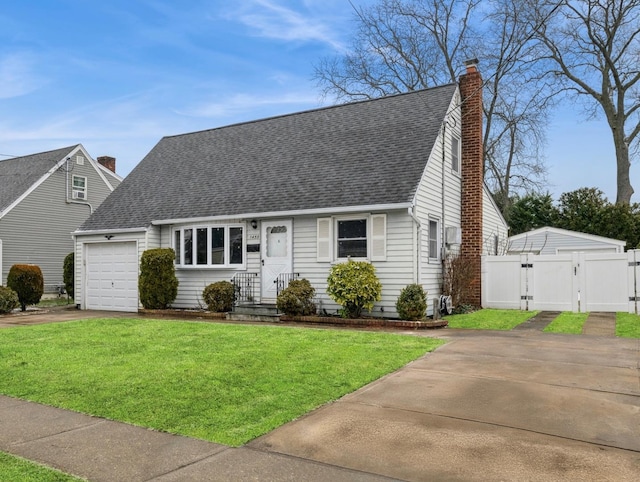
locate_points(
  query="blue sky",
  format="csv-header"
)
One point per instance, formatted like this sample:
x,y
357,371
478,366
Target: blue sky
x,y
118,75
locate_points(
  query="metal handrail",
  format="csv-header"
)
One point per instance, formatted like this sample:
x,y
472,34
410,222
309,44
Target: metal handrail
x,y
244,284
283,280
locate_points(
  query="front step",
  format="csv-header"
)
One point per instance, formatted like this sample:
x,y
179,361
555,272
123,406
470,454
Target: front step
x,y
268,313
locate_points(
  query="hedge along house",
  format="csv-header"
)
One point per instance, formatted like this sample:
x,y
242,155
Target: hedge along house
x,y
266,201
44,197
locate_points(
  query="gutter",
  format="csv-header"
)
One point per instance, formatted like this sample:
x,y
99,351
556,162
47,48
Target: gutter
x,y
411,213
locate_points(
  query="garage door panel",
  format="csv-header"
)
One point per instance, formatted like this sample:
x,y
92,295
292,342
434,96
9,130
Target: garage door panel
x,y
112,276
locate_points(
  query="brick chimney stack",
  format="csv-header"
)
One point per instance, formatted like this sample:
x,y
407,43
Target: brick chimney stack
x,y
108,162
472,175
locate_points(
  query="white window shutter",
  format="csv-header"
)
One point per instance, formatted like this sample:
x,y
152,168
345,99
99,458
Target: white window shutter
x,y
379,237
324,241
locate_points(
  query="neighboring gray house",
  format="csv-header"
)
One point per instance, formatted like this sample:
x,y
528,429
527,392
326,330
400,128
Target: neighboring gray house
x,y
548,240
44,198
380,180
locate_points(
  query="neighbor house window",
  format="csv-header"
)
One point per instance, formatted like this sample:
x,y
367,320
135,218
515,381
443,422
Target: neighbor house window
x,y
216,246
434,252
79,184
455,154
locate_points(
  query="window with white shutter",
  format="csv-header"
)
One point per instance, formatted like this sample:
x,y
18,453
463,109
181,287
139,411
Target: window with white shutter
x,y
379,237
324,240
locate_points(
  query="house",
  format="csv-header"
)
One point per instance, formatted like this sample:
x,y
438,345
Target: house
x,y
397,181
44,198
548,240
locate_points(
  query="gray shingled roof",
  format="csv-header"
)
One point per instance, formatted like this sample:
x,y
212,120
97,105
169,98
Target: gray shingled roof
x,y
358,154
18,174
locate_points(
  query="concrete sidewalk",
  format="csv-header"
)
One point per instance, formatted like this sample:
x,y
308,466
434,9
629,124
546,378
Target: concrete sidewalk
x,y
486,406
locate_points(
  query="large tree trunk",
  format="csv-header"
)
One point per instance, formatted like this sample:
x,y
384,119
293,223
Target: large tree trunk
x,y
625,191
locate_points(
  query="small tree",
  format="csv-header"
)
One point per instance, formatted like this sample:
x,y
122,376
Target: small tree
x,y
27,281
158,285
297,298
355,286
68,273
412,303
219,296
8,300
457,279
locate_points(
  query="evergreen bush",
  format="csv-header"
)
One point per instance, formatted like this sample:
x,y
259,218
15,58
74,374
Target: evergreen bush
x,y
8,300
297,298
27,281
355,286
157,284
220,296
68,273
412,303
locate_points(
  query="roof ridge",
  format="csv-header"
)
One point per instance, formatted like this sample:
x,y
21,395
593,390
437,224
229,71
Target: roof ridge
x,y
317,109
69,148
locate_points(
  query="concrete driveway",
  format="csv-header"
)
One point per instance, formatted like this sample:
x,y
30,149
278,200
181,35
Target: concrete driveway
x,y
487,406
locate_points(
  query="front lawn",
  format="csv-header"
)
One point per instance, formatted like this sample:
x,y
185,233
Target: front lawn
x,y
490,319
18,469
567,322
219,382
627,325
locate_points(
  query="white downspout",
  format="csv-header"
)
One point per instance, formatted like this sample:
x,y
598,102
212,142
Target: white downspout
x,y
418,243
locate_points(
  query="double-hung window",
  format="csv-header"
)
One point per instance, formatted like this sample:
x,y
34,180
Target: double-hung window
x,y
79,187
362,236
434,245
455,154
215,246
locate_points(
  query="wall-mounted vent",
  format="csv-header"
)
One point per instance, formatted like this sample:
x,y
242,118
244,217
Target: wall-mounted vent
x,y
452,235
80,160
79,195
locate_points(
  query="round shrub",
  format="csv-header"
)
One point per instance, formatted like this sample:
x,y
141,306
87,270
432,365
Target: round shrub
x,y
68,273
8,300
220,296
27,281
355,286
297,298
412,303
157,283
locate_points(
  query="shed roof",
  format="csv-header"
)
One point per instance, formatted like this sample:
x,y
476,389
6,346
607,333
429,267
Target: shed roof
x,y
358,154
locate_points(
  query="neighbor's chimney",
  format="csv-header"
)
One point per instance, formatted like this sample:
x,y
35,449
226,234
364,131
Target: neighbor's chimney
x,y
108,162
472,175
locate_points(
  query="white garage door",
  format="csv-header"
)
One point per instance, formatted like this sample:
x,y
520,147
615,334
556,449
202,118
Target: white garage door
x,y
112,276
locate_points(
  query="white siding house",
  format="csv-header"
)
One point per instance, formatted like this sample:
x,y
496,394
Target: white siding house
x,y
378,180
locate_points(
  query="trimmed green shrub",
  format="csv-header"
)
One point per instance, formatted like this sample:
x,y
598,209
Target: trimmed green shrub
x,y
27,281
220,296
412,303
8,300
355,286
68,273
297,298
157,283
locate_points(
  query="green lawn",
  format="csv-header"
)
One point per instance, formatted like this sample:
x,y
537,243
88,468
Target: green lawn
x,y
627,325
219,382
17,469
490,319
567,322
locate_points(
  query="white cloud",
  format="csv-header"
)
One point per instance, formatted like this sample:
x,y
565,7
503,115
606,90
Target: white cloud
x,y
17,76
270,19
242,103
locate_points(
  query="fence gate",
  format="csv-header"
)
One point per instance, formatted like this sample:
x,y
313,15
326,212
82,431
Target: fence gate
x,y
579,282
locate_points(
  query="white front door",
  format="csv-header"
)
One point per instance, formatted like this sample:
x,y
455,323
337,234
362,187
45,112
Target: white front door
x,y
277,255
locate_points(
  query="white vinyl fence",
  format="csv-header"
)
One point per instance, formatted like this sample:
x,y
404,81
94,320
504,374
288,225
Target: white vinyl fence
x,y
579,282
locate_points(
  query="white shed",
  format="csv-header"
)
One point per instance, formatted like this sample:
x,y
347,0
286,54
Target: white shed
x,y
548,240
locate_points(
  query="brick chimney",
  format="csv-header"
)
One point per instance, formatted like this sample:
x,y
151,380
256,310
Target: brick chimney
x,y
108,162
472,175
